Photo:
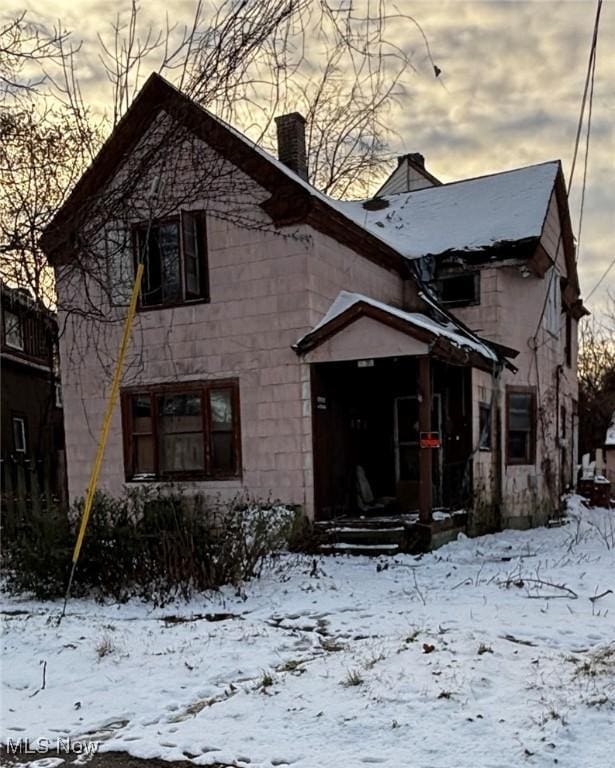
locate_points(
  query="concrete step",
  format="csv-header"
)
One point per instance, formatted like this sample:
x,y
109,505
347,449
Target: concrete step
x,y
352,535
371,550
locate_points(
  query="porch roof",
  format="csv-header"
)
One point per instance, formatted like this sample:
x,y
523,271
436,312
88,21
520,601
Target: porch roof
x,y
445,338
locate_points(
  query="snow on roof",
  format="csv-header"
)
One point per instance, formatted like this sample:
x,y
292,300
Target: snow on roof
x,y
610,433
468,215
450,331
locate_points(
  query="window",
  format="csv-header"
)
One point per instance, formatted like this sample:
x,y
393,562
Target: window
x,y
174,254
13,330
484,424
182,431
568,342
553,306
521,425
460,290
20,444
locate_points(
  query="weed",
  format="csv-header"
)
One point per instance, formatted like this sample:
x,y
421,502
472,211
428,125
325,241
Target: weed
x,y
482,648
353,678
105,647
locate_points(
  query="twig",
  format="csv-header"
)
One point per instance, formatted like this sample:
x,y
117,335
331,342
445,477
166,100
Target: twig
x,y
520,582
602,594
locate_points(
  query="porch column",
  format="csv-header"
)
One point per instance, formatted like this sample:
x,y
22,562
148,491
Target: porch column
x,y
425,454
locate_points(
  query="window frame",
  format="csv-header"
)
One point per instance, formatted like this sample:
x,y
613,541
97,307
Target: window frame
x,y
22,330
531,459
459,303
488,446
179,220
154,391
20,417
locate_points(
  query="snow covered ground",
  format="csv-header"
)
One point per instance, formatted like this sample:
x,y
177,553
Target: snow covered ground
x,y
474,656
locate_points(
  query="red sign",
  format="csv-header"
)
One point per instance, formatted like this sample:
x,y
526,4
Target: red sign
x,y
430,440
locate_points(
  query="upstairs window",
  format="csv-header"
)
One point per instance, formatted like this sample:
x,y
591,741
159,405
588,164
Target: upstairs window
x,y
520,425
460,290
13,330
188,431
175,259
553,308
174,255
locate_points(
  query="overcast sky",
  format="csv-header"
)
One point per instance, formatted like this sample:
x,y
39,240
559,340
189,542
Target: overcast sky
x,y
509,93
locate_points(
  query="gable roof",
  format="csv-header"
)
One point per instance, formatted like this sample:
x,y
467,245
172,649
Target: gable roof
x,y
450,338
473,215
288,190
462,216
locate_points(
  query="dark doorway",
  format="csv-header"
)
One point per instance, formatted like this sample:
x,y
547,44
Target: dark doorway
x,y
365,414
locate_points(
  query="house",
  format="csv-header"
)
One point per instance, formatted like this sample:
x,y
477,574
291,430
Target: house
x,y
414,351
609,452
32,433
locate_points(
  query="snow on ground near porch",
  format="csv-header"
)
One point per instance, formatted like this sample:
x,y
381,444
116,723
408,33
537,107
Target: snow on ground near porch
x,y
451,667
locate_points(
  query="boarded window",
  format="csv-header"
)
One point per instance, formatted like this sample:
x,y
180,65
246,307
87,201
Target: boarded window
x,y
521,425
185,430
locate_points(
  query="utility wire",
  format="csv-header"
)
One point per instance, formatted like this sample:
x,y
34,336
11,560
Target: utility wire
x,y
604,274
587,137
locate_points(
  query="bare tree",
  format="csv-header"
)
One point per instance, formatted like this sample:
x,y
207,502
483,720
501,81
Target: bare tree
x,y
596,378
246,62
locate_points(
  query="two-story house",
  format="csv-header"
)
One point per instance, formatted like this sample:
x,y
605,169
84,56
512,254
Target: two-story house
x,y
32,431
418,347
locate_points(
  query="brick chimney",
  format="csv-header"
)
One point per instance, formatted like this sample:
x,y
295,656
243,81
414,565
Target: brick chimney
x,y
291,143
415,157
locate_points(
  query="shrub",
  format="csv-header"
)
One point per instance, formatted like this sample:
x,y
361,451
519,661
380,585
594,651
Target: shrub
x,y
154,544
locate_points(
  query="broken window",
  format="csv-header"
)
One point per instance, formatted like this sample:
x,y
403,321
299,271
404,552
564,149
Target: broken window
x,y
189,430
459,290
174,255
521,425
484,425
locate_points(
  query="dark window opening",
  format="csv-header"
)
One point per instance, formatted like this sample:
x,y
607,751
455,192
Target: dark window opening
x,y
184,431
521,426
568,343
459,290
484,425
174,254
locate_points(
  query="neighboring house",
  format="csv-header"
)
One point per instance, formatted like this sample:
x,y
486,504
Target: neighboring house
x,y
609,452
419,347
32,432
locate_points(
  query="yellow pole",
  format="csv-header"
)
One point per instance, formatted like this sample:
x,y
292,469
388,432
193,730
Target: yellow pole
x,y
115,388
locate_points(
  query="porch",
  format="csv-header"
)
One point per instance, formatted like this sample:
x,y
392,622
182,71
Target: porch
x,y
392,446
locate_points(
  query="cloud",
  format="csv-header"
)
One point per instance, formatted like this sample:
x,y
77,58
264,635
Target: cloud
x,y
509,93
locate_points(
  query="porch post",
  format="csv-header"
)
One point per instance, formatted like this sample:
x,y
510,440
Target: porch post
x,y
425,454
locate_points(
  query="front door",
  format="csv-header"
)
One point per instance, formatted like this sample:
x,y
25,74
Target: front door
x,y
406,435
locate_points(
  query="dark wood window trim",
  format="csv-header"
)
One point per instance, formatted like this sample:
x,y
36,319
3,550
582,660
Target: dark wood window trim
x,y
182,222
531,459
203,389
451,277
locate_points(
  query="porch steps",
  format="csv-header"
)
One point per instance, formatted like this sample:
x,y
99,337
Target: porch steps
x,y
362,536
